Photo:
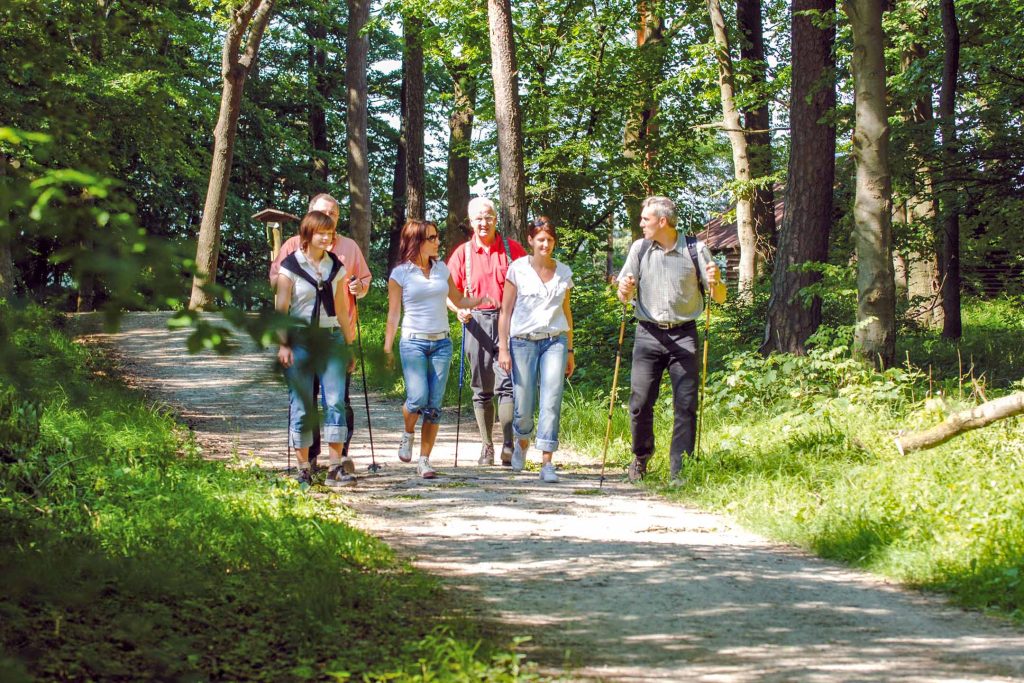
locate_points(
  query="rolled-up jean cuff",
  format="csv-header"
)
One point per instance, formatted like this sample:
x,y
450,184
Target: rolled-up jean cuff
x,y
334,434
546,446
300,440
430,415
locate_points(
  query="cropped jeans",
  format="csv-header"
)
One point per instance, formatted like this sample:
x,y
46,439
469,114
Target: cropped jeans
x,y
302,404
538,376
425,366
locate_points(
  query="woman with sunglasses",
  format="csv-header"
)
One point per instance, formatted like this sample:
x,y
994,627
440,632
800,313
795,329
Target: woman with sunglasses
x,y
419,285
535,344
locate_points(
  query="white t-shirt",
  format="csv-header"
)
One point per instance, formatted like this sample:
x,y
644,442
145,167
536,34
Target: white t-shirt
x,y
304,294
423,299
538,304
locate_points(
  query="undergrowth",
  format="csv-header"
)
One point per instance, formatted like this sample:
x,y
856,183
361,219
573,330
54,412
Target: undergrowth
x,y
125,555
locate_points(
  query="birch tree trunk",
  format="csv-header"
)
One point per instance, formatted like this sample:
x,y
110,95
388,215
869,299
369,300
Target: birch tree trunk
x,y
357,49
811,176
740,163
875,336
247,23
507,115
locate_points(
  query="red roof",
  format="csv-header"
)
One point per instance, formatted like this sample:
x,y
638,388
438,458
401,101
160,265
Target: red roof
x,y
721,236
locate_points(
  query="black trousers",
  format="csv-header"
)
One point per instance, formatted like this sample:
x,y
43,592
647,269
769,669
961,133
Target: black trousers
x,y
655,351
487,379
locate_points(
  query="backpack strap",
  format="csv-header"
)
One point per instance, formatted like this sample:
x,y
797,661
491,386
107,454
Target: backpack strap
x,y
691,246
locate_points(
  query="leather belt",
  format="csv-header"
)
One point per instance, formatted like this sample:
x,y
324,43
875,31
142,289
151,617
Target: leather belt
x,y
425,336
666,326
539,336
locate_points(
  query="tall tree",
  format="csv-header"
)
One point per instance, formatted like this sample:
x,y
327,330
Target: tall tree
x,y
460,127
875,336
738,141
414,87
950,261
357,52
757,122
640,137
6,260
508,117
398,187
319,95
811,174
248,21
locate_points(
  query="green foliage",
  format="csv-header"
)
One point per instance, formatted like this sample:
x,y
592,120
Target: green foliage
x,y
125,553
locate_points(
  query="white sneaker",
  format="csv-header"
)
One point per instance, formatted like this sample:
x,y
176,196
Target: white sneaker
x,y
547,473
518,457
405,448
424,469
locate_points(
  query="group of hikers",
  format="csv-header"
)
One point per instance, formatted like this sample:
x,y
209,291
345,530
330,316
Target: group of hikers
x,y
517,334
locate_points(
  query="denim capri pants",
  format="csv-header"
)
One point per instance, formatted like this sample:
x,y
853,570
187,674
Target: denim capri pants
x,y
425,365
302,404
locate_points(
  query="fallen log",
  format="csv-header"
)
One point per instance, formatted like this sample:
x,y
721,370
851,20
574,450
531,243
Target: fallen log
x,y
961,422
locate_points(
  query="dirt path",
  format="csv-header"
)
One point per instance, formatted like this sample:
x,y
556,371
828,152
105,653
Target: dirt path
x,y
622,586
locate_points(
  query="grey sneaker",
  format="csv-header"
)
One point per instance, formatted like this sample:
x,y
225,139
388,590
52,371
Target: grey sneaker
x,y
506,456
424,469
304,477
486,455
636,471
547,473
348,465
338,478
518,461
405,448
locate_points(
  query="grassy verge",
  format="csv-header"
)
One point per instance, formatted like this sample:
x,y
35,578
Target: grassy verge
x,y
801,449
125,555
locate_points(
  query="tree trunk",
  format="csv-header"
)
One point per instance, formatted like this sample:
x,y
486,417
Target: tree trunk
x,y
507,116
357,50
740,164
247,23
639,144
398,188
413,80
811,174
7,272
875,336
319,93
460,126
757,121
952,327
961,422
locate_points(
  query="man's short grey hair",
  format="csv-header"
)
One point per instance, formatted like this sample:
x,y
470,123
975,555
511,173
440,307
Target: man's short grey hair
x,y
323,196
481,202
662,207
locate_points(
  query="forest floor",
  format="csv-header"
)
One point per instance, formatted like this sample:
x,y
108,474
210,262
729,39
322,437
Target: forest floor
x,y
612,583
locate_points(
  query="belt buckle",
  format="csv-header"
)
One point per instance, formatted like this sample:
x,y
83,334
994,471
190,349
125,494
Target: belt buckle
x,y
664,326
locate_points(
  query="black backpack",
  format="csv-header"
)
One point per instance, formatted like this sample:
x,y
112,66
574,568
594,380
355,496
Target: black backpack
x,y
324,292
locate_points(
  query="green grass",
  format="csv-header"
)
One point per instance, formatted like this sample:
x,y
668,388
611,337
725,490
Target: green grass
x,y
125,555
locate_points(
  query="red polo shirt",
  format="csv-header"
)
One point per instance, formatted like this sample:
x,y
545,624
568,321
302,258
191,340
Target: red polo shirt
x,y
489,266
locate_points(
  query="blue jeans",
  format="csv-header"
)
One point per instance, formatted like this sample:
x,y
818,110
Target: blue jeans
x,y
425,366
538,364
331,372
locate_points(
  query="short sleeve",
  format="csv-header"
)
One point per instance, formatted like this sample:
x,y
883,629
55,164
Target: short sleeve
x,y
456,266
513,273
399,274
630,267
569,284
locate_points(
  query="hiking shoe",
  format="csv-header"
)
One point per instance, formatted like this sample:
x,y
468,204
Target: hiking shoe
x,y
424,469
348,465
486,455
338,478
547,473
405,448
636,471
304,477
507,456
677,481
518,460
313,467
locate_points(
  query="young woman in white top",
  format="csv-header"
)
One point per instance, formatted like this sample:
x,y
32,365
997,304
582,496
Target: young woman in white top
x,y
420,283
535,344
311,288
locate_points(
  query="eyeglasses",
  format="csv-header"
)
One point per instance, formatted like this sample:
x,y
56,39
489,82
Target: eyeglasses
x,y
432,238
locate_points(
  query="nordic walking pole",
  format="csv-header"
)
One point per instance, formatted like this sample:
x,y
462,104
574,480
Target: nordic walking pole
x,y
462,379
374,467
703,377
611,400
